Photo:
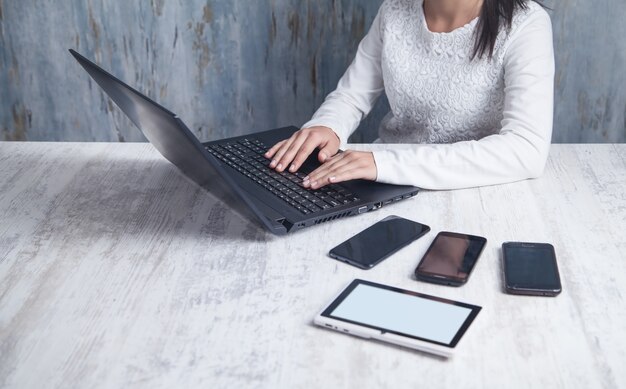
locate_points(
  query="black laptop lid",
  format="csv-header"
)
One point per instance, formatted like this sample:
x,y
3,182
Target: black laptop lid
x,y
164,129
171,137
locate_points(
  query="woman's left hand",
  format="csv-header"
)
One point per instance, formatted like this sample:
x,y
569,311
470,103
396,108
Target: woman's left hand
x,y
349,165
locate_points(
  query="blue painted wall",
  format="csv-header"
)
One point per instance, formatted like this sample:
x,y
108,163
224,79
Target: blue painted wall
x,y
231,67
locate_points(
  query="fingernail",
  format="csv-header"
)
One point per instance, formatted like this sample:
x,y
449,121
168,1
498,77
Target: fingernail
x,y
280,166
305,182
331,179
306,178
273,163
292,168
323,156
313,184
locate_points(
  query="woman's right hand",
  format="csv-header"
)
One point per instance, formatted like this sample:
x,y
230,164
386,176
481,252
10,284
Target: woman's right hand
x,y
294,151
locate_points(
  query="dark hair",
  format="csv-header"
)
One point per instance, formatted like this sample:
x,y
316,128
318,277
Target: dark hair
x,y
494,14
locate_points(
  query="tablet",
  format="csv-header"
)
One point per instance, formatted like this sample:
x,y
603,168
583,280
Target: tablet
x,y
405,318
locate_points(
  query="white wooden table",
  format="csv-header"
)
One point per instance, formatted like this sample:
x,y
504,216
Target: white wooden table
x,y
115,272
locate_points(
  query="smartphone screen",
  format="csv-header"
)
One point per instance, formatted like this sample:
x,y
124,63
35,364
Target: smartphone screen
x,y
370,246
450,258
531,268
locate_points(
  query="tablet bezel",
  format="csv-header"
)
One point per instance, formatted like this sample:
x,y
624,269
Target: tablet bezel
x,y
474,310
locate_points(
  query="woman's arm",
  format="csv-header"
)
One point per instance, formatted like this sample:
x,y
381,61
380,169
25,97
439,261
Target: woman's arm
x,y
357,90
343,109
521,148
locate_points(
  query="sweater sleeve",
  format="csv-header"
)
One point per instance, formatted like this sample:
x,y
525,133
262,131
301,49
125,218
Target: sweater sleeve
x,y
519,151
357,90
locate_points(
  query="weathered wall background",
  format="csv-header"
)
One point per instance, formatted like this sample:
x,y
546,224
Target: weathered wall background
x,y
230,67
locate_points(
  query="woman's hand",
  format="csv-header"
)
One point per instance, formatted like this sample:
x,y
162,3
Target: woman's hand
x,y
294,151
349,165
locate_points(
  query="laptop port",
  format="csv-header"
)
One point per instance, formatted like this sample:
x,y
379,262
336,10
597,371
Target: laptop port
x,y
378,205
363,209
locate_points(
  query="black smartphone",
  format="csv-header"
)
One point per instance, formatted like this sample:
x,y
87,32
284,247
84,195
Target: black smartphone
x,y
450,258
530,269
370,246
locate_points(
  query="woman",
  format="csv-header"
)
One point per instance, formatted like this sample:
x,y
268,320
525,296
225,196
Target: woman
x,y
470,85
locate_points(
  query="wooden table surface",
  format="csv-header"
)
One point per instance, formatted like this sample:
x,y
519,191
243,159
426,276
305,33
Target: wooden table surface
x,y
115,271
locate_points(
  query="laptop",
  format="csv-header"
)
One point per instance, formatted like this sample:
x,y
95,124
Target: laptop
x,y
235,170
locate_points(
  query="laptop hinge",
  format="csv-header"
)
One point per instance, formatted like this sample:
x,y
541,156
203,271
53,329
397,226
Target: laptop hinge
x,y
286,223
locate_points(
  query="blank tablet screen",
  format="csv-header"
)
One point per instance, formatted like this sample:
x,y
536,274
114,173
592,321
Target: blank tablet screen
x,y
402,312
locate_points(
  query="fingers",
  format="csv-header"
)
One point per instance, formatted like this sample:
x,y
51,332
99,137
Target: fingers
x,y
343,167
328,151
278,151
291,153
298,152
305,150
329,143
331,164
315,179
272,151
285,154
342,175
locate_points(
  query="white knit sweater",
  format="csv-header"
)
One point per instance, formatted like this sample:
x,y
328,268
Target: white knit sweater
x,y
468,122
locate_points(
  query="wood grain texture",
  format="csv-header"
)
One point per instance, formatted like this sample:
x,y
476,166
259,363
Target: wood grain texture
x,y
226,67
115,271
231,67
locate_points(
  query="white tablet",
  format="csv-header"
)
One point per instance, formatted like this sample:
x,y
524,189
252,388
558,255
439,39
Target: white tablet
x,y
410,319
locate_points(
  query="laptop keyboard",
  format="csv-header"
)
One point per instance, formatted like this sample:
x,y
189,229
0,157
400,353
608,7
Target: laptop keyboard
x,y
246,156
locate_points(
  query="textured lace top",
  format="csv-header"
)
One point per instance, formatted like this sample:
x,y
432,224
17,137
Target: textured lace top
x,y
485,121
